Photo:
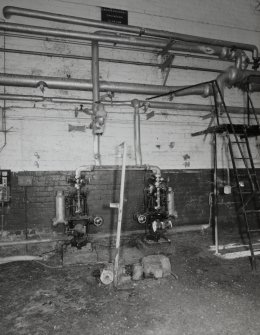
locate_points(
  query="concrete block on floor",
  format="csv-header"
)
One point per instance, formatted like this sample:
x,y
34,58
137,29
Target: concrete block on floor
x,y
156,266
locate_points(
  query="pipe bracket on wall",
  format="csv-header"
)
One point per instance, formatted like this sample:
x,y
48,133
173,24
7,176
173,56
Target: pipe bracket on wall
x,y
167,60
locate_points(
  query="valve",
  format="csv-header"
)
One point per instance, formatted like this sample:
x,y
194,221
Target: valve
x,y
98,118
98,221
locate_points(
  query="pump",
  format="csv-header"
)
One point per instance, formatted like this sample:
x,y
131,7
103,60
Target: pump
x,y
159,209
72,212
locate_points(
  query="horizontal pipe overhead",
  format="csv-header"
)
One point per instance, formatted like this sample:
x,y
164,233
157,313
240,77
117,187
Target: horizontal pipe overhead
x,y
111,38
180,45
116,46
82,84
8,11
101,59
150,104
231,77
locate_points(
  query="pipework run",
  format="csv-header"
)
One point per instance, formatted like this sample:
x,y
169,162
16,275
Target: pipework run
x,y
137,132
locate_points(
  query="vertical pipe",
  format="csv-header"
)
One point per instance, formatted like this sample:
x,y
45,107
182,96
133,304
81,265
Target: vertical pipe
x,y
215,196
2,218
137,132
26,215
96,96
120,215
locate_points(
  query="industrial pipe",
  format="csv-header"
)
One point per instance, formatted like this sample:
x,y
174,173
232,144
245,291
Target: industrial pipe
x,y
235,76
89,168
96,98
8,11
82,168
137,132
23,258
143,103
174,230
106,38
113,60
221,52
82,84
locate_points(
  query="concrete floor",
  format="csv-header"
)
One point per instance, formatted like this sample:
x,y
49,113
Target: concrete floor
x,y
206,295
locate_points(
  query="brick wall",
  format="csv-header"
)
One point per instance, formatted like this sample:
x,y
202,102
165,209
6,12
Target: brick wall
x,y
39,140
191,188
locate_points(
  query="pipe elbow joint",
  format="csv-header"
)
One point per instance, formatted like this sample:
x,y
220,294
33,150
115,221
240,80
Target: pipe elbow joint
x,y
135,103
155,170
233,75
206,91
7,12
87,168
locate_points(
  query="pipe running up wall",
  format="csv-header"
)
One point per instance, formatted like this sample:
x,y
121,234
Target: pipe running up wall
x,y
9,11
96,97
137,132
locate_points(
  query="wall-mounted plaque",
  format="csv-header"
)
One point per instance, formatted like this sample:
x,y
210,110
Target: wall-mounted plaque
x,y
113,15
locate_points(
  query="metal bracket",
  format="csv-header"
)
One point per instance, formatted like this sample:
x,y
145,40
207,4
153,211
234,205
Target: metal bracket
x,y
167,59
166,49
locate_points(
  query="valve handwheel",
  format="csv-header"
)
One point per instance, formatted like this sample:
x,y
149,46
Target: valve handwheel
x,y
98,221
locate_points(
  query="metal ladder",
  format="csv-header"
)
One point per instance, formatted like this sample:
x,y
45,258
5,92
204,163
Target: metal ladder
x,y
239,148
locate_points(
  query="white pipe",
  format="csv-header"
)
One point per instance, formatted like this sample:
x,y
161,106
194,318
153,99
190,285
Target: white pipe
x,y
155,169
96,149
120,215
48,240
10,259
174,230
137,132
183,229
82,168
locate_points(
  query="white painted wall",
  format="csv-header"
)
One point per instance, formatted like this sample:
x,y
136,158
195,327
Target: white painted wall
x,y
39,137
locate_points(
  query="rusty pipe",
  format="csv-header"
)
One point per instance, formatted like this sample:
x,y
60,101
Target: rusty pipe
x,y
9,11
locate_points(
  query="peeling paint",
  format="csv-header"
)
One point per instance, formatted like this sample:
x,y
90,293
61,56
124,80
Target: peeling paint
x,y
186,157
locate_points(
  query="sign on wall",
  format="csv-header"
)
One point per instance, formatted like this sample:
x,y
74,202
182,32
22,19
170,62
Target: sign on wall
x,y
113,15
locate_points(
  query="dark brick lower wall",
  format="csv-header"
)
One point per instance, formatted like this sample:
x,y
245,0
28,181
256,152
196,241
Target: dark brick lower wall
x,y
191,187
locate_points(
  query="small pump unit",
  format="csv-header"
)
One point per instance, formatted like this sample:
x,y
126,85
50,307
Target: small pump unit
x,y
72,212
159,209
